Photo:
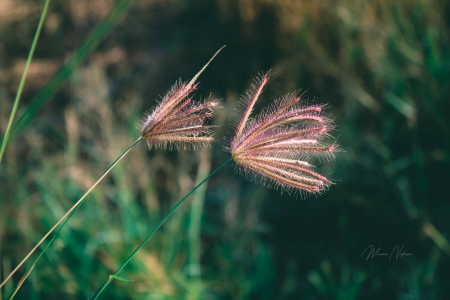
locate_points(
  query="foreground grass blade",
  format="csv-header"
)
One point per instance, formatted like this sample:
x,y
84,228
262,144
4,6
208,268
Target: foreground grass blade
x,y
65,218
23,79
111,277
63,74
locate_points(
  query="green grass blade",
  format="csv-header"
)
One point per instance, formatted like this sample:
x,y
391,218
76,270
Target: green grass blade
x,y
23,79
102,288
120,278
196,214
195,222
63,220
64,73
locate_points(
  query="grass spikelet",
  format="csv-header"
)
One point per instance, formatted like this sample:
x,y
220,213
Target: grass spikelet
x,y
178,121
275,146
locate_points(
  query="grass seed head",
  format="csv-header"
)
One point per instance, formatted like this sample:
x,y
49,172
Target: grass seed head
x,y
178,120
277,144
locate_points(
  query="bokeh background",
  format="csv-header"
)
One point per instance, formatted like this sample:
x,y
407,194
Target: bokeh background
x,y
383,67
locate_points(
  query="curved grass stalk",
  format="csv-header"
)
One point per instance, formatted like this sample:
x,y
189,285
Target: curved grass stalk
x,y
23,79
111,277
63,220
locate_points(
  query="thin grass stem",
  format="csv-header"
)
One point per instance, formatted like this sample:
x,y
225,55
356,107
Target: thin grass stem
x,y
23,79
65,218
103,287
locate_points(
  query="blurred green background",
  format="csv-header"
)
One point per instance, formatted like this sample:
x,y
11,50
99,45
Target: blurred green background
x,y
383,67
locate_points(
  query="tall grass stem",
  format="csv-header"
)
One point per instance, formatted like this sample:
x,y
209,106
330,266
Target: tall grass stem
x,y
23,79
102,288
66,218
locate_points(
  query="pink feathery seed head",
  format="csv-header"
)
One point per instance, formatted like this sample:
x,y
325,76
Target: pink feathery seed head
x,y
275,146
178,120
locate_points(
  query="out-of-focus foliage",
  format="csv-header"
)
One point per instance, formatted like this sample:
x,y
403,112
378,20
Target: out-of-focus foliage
x,y
382,66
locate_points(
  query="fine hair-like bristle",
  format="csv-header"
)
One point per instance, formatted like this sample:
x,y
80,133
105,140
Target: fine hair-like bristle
x,y
178,120
276,145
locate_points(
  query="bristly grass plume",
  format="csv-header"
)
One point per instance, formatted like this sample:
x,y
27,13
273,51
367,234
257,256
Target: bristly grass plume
x,y
178,120
277,145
